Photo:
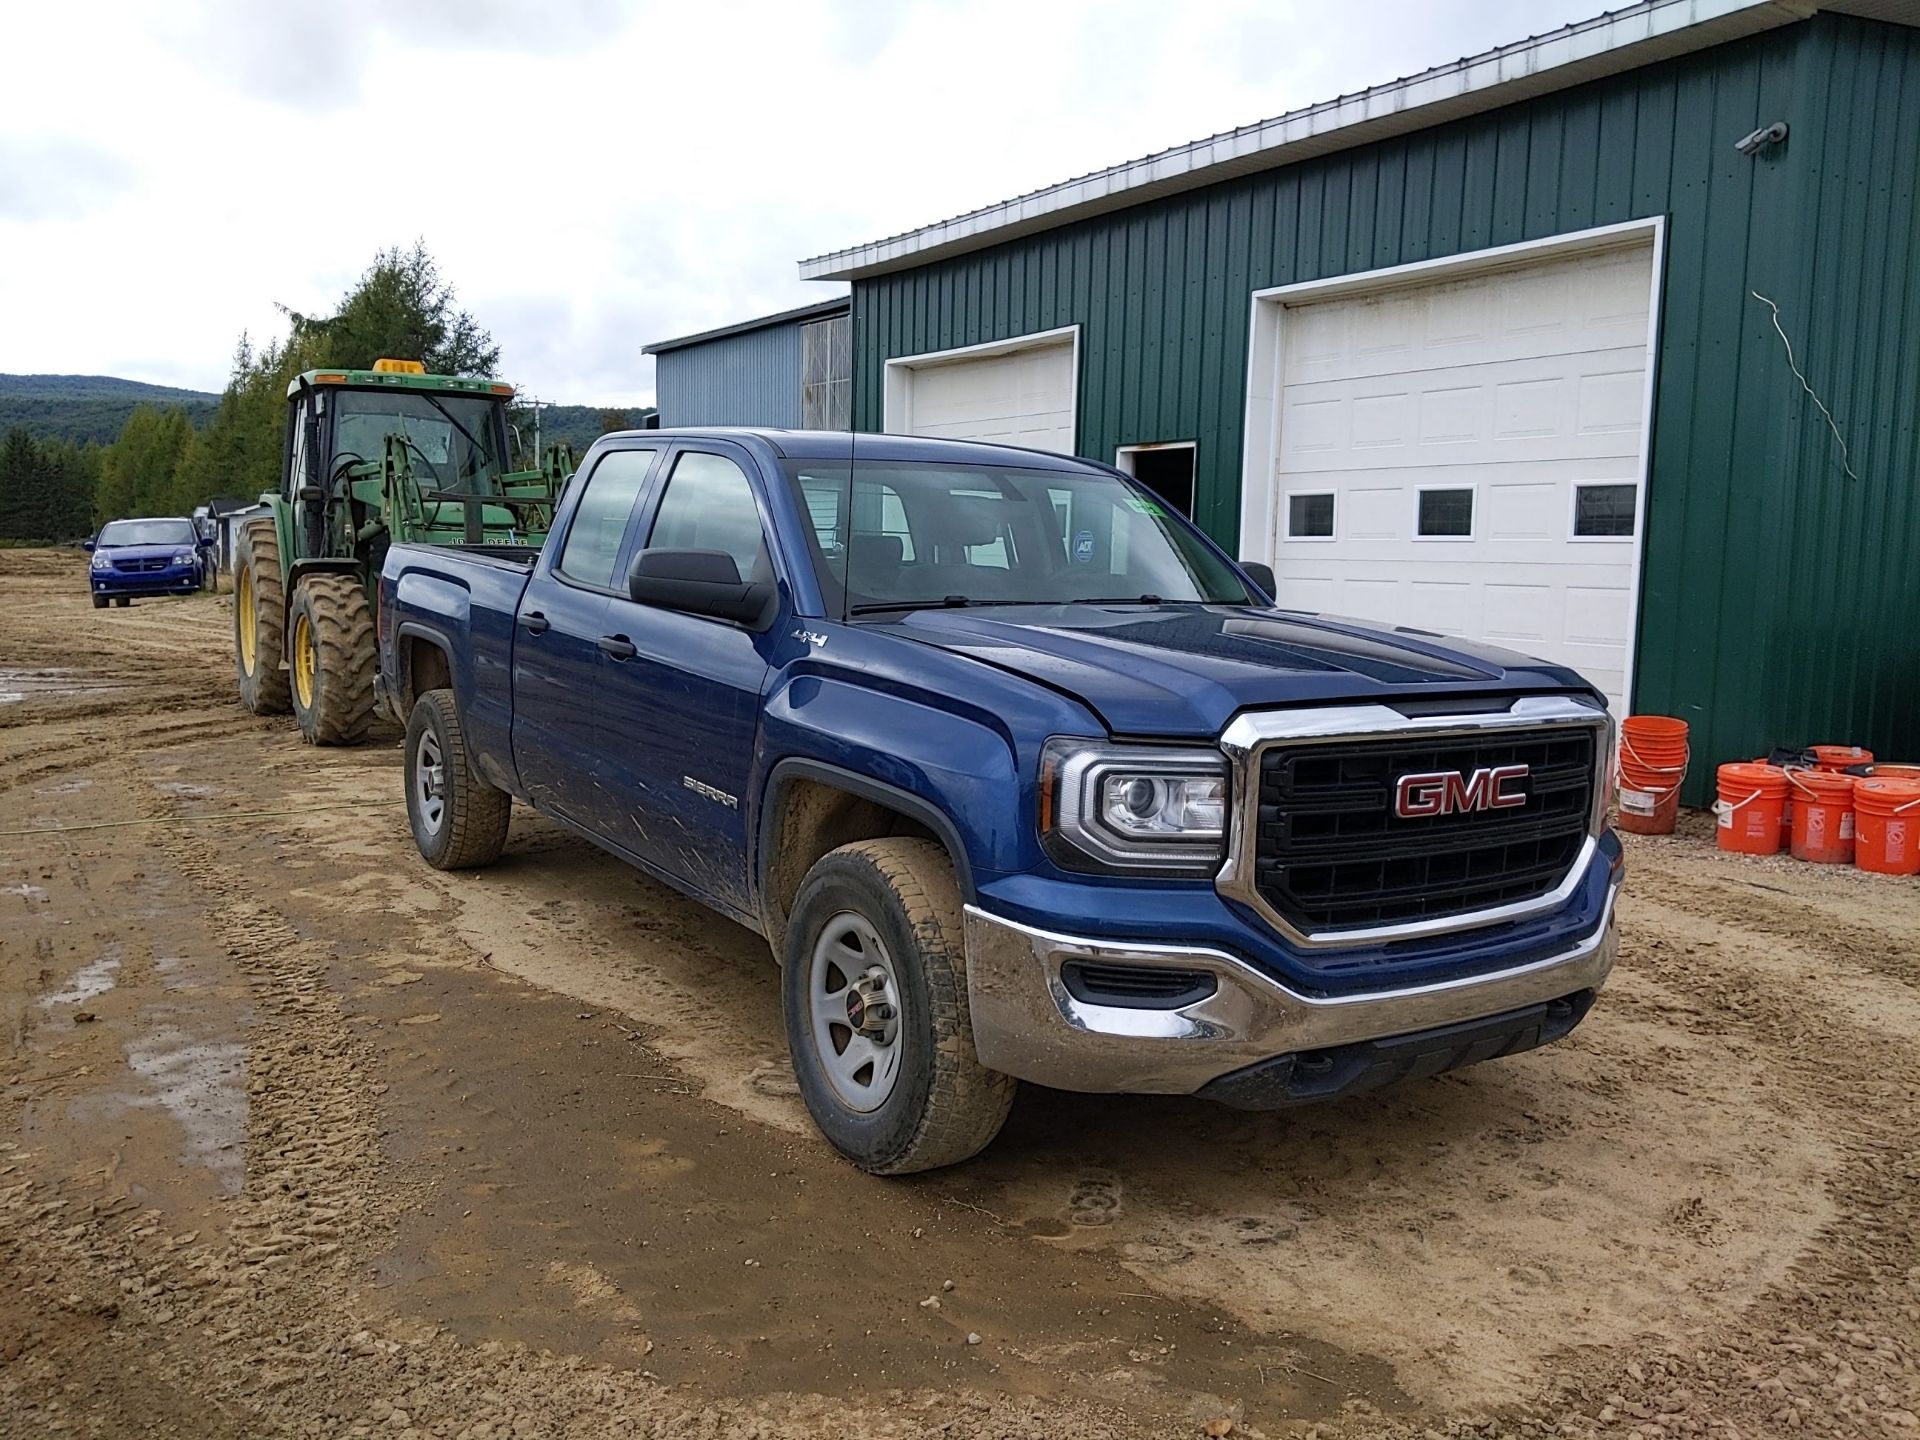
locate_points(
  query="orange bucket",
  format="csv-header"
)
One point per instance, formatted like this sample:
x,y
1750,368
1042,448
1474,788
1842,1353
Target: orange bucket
x,y
1749,807
1786,805
1886,817
1653,762
1822,817
1839,757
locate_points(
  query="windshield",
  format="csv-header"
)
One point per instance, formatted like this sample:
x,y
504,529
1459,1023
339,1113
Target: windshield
x,y
147,532
908,535
447,440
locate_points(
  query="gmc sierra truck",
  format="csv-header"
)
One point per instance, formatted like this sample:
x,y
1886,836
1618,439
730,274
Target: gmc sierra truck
x,y
1019,775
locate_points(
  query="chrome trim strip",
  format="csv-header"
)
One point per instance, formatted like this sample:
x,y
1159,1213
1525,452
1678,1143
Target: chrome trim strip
x,y
1026,1024
1249,736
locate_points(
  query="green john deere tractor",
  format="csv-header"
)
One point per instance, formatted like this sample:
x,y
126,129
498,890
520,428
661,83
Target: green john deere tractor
x,y
371,456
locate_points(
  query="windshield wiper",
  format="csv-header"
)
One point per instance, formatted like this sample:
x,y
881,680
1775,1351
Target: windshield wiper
x,y
948,602
486,455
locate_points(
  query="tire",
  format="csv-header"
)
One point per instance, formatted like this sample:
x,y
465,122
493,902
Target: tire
x,y
470,827
123,601
330,659
99,602
260,619
932,1103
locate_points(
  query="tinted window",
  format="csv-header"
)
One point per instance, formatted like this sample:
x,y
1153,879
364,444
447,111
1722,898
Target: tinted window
x,y
709,506
913,534
1446,513
147,532
600,522
1603,510
1310,517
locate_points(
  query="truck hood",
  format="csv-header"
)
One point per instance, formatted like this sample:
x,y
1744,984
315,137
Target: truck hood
x,y
1186,669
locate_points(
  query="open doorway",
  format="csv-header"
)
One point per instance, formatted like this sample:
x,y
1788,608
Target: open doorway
x,y
1165,469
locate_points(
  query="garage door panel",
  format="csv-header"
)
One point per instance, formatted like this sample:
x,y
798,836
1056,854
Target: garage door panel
x,y
1520,385
1023,397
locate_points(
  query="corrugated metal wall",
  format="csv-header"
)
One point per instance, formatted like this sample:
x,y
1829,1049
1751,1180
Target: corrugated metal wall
x,y
1781,600
747,379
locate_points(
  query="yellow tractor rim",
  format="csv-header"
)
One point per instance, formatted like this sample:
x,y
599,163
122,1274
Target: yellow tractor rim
x,y
305,662
243,599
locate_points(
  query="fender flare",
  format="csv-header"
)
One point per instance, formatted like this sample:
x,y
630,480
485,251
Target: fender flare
x,y
780,782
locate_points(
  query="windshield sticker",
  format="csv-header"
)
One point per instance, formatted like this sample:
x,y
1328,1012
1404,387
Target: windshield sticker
x,y
1145,507
1083,547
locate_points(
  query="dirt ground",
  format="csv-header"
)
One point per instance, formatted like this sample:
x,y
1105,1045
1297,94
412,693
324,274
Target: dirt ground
x,y
298,1136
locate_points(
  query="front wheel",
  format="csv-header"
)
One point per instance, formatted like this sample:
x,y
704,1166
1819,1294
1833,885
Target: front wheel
x,y
99,602
330,656
459,821
123,601
875,993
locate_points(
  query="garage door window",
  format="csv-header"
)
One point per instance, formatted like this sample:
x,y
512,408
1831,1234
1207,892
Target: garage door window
x,y
1603,512
1310,517
1446,514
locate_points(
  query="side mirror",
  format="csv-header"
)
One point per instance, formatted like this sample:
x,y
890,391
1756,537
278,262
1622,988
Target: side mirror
x,y
1261,575
698,582
86,544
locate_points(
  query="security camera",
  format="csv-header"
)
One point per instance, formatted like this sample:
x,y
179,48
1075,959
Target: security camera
x,y
1759,140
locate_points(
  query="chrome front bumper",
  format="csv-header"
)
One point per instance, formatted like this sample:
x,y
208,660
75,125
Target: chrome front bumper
x,y
1026,1024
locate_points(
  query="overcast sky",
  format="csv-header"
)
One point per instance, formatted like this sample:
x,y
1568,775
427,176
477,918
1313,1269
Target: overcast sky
x,y
592,174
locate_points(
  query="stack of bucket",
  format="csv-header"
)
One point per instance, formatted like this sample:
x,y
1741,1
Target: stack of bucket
x,y
1653,762
1821,813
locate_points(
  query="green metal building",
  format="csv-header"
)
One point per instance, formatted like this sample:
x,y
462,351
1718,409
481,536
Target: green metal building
x,y
1482,351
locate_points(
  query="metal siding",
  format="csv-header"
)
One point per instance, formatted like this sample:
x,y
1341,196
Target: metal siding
x,y
750,379
1780,601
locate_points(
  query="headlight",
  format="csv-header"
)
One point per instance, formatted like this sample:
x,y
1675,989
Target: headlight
x,y
183,557
102,560
1133,807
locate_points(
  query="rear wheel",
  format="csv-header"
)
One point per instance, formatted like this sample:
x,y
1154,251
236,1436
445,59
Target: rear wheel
x,y
259,619
459,821
875,992
330,656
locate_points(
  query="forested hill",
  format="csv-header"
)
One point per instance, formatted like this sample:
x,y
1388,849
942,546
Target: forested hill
x,y
81,408
88,407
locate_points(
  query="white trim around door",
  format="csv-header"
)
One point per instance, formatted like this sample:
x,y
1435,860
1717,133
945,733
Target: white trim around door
x,y
896,412
1260,506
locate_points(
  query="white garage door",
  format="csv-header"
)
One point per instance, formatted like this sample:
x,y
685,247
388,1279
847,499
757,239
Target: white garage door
x,y
1464,457
1012,396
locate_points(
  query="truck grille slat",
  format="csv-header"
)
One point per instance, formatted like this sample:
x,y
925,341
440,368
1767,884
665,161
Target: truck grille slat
x,y
1331,854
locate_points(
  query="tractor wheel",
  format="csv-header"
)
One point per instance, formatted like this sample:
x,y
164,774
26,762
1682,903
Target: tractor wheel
x,y
330,657
259,619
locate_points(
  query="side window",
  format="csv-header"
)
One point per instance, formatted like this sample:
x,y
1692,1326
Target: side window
x,y
600,521
708,505
297,471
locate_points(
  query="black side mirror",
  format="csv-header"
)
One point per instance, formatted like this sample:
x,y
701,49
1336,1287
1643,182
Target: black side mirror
x,y
86,544
699,582
1261,575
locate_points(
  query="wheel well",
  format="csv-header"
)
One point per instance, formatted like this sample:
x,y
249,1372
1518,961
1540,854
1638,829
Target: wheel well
x,y
812,817
424,667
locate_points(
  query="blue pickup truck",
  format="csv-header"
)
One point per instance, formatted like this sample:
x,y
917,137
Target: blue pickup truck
x,y
1020,776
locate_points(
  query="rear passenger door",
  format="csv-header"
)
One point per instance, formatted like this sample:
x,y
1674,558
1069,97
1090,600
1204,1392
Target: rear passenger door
x,y
557,660
679,716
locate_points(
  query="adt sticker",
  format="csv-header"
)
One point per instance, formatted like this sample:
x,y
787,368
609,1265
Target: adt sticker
x,y
1083,547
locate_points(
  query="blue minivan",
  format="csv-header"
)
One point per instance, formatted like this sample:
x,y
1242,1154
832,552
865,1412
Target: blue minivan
x,y
146,557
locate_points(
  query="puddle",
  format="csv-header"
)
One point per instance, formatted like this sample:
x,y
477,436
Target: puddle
x,y
89,981
202,1085
18,685
184,788
64,787
26,892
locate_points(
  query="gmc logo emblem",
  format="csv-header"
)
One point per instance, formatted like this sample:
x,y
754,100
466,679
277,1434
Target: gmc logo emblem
x,y
1449,792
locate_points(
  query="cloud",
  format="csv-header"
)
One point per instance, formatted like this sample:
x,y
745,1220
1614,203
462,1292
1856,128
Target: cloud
x,y
592,175
57,178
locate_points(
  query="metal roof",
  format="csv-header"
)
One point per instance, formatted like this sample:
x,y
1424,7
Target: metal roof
x,y
785,317
1638,35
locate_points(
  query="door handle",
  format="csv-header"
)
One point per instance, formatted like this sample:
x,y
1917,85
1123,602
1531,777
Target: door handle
x,y
536,623
618,647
